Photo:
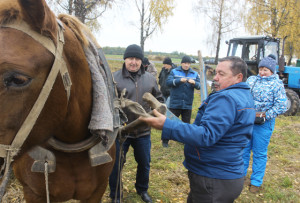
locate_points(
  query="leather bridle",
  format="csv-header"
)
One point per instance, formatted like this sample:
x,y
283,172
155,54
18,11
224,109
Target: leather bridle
x,y
59,65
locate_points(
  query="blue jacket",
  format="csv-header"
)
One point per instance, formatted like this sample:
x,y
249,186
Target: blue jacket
x,y
182,94
214,143
268,94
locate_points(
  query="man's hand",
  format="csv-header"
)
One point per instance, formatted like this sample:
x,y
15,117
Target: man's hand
x,y
155,122
183,80
191,81
260,114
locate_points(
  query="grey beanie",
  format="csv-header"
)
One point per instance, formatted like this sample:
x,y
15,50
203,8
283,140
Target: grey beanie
x,y
186,59
268,62
134,51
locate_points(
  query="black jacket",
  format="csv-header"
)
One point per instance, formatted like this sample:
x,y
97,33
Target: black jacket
x,y
135,89
163,75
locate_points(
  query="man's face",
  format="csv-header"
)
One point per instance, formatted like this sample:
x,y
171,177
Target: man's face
x,y
185,66
133,64
167,66
224,76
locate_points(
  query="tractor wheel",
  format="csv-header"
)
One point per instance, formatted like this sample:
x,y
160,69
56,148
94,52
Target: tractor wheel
x,y
292,102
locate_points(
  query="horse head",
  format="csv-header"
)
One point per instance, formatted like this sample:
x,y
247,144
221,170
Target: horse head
x,y
32,42
24,68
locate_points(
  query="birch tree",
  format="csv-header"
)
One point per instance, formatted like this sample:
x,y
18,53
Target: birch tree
x,y
87,11
223,15
153,14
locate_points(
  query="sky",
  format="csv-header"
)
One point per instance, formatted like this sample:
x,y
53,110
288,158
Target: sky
x,y
184,32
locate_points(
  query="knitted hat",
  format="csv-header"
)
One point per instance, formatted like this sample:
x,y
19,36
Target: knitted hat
x,y
268,62
168,61
134,51
146,61
186,59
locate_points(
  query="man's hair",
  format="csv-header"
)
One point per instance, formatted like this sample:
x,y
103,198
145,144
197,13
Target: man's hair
x,y
238,65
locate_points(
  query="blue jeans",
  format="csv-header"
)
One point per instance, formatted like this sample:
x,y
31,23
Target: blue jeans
x,y
141,149
259,145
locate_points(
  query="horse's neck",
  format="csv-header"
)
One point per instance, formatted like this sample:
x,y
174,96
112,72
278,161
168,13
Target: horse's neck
x,y
80,104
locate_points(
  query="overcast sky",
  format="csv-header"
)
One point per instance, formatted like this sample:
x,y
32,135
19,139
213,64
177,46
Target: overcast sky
x,y
184,31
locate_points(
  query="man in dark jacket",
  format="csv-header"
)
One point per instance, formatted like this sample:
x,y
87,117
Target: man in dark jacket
x,y
214,143
149,67
183,80
168,66
137,81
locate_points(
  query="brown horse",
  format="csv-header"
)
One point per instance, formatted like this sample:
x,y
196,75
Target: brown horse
x,y
24,68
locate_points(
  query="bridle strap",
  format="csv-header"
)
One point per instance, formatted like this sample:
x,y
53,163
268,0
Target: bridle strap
x,y
50,46
58,65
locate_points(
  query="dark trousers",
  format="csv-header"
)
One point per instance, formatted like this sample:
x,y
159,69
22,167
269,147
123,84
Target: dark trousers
x,y
210,190
186,114
141,149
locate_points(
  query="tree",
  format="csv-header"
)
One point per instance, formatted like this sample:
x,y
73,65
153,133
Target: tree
x,y
223,17
153,15
87,11
277,18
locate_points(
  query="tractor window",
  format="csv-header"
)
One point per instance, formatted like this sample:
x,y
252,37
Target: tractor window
x,y
236,49
250,52
271,48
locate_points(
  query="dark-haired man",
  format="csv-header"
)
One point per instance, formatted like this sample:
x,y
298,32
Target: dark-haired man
x,y
137,81
214,143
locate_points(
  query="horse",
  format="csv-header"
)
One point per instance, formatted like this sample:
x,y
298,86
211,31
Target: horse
x,y
25,65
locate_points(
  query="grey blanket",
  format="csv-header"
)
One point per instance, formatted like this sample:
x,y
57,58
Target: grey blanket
x,y
102,111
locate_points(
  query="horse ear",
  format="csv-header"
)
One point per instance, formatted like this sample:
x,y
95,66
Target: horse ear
x,y
39,16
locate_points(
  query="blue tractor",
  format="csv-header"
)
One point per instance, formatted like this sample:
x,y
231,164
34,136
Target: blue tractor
x,y
253,49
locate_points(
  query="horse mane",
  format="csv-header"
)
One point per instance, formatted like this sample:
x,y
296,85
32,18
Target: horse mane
x,y
81,31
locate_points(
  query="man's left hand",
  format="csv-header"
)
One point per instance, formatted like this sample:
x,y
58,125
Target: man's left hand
x,y
191,81
156,122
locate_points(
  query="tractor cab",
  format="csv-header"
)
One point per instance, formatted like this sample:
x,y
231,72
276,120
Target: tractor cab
x,y
253,49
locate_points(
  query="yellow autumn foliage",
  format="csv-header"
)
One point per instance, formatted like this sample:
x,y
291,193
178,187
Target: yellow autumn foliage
x,y
276,18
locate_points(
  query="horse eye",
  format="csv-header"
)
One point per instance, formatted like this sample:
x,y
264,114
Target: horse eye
x,y
16,80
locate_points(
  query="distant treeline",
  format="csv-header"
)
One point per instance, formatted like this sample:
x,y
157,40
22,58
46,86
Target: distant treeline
x,y
120,51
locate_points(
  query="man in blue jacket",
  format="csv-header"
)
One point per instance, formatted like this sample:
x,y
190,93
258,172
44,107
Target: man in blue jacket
x,y
183,80
214,143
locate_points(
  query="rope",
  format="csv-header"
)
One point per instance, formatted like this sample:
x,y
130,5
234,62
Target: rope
x,y
120,166
6,175
47,182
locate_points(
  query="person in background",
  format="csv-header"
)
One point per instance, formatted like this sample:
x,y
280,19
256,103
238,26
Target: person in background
x,y
182,81
137,81
270,101
149,67
168,66
214,143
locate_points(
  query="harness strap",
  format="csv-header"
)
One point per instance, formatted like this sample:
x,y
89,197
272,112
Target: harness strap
x,y
43,96
49,45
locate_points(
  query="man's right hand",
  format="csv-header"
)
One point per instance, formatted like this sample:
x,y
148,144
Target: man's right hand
x,y
156,122
183,80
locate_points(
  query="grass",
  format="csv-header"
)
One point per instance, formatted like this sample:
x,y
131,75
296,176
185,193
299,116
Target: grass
x,y
168,178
